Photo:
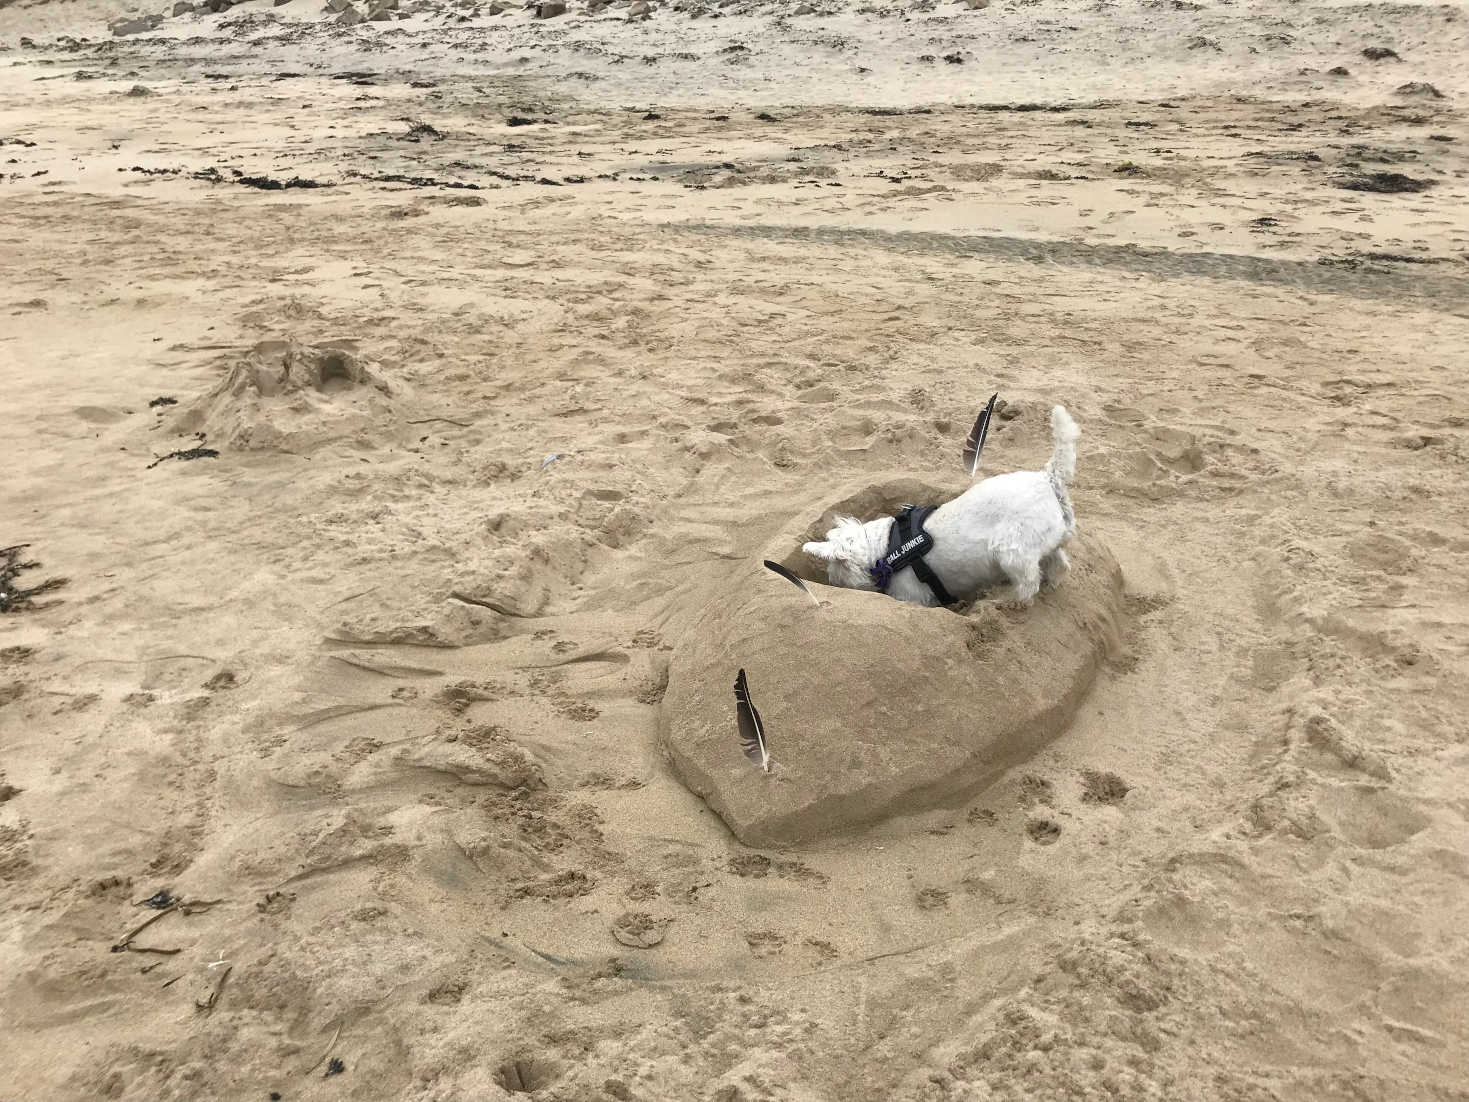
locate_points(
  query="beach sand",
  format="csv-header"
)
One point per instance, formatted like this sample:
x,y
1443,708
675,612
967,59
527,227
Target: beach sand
x,y
374,693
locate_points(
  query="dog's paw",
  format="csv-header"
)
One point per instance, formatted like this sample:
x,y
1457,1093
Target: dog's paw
x,y
1053,568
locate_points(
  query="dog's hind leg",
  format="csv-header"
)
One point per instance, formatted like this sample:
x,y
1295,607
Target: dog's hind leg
x,y
1025,579
1053,566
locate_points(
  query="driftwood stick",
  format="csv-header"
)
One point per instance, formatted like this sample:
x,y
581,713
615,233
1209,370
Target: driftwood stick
x,y
127,940
186,906
326,1051
208,1004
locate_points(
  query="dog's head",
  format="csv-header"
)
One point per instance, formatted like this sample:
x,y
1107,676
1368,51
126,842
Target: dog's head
x,y
849,554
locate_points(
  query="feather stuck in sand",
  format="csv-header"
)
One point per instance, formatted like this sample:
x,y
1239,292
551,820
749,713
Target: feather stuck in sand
x,y
793,579
752,730
974,445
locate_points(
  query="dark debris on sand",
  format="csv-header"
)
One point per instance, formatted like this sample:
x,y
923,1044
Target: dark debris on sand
x,y
412,181
199,451
420,131
1385,183
14,597
215,176
433,181
267,183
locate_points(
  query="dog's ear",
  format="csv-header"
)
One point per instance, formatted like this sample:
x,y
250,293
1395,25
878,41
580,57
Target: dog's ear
x,y
827,551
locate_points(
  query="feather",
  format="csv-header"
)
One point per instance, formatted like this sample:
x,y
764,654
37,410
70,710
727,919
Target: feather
x,y
975,444
752,731
795,581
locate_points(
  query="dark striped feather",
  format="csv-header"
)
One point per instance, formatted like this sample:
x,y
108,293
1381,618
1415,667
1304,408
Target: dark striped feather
x,y
795,581
975,444
752,730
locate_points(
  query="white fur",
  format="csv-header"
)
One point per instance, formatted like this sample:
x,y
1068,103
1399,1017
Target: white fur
x,y
1005,531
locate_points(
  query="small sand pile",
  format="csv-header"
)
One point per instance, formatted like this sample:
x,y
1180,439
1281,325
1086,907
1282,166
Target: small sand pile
x,y
422,622
287,396
876,708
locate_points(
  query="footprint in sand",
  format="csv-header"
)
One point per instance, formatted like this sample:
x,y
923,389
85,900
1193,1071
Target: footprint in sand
x,y
527,1074
640,930
15,859
1036,790
932,899
765,943
1043,832
823,949
1102,788
1370,816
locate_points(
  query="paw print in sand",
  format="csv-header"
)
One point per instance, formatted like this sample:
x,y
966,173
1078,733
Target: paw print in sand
x,y
1043,832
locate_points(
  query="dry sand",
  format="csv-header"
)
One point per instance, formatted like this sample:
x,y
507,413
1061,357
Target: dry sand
x,y
388,690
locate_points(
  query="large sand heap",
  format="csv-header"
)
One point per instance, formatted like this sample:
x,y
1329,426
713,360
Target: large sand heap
x,y
287,396
875,708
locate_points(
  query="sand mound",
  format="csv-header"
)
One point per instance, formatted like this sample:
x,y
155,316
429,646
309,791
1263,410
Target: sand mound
x,y
422,623
287,396
875,708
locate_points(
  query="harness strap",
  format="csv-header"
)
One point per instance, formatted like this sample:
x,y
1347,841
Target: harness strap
x,y
907,545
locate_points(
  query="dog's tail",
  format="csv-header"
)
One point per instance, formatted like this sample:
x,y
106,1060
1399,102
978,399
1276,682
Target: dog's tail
x,y
1061,468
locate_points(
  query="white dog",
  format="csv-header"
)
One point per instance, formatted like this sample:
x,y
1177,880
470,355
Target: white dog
x,y
1005,531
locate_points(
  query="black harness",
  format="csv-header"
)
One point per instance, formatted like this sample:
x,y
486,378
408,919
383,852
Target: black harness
x,y
907,545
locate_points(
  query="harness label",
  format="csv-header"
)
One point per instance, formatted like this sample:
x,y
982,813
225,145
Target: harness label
x,y
918,544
